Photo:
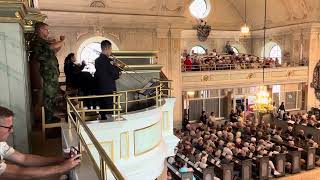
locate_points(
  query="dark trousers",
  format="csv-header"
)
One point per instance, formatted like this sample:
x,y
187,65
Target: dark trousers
x,y
105,103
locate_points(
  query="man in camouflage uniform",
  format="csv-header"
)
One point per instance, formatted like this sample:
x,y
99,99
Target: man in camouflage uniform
x,y
44,51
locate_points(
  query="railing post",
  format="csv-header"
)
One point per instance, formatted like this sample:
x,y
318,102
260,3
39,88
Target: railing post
x,y
83,114
77,124
119,105
160,89
126,102
103,174
157,94
68,114
114,104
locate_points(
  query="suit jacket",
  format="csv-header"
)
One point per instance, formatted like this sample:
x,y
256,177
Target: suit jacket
x,y
106,74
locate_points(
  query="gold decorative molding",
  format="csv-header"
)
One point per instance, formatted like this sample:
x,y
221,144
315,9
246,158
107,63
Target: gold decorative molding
x,y
17,11
136,153
205,78
103,143
97,4
290,73
124,138
251,75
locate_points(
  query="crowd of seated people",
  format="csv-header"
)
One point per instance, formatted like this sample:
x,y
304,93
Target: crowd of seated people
x,y
215,61
238,141
227,60
303,119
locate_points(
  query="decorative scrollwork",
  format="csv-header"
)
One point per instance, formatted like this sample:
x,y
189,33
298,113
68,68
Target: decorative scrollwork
x,y
205,78
203,30
290,73
250,75
316,80
97,4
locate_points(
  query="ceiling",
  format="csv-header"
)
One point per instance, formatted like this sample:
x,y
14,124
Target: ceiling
x,y
224,15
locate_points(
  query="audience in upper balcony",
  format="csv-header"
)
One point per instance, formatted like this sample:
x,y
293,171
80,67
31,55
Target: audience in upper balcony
x,y
222,61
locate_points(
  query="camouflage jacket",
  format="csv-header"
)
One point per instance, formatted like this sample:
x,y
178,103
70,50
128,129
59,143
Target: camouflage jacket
x,y
49,65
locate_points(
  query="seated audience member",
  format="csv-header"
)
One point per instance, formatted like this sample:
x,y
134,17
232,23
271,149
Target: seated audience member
x,y
185,53
188,63
186,169
212,117
27,166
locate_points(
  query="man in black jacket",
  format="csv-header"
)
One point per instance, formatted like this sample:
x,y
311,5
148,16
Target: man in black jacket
x,y
107,72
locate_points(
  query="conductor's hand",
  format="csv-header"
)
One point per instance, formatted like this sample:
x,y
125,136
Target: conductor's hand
x,y
71,163
62,38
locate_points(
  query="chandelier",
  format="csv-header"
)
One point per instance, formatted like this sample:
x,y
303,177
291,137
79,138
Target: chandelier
x,y
263,102
245,29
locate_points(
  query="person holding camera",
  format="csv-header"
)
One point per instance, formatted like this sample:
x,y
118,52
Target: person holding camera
x,y
27,166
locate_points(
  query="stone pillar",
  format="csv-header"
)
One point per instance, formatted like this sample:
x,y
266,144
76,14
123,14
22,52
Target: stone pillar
x,y
169,42
14,80
314,56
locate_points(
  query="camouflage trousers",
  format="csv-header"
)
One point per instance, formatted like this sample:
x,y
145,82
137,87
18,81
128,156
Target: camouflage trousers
x,y
50,94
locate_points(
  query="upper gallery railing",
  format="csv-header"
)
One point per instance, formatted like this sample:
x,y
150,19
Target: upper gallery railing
x,y
77,116
240,66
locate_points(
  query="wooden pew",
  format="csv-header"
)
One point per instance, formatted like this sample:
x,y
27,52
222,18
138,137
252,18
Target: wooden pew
x,y
174,172
294,158
208,173
223,171
279,161
263,167
245,167
197,170
310,157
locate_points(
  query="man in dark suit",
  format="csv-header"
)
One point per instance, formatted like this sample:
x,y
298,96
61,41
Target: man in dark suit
x,y
107,72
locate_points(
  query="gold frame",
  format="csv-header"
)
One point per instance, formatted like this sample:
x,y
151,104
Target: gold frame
x,y
103,143
153,147
126,134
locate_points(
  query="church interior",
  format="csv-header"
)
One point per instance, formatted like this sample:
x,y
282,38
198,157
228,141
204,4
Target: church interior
x,y
206,89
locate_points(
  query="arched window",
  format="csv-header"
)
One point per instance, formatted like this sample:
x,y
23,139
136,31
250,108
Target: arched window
x,y
90,49
235,50
199,8
275,52
198,50
90,52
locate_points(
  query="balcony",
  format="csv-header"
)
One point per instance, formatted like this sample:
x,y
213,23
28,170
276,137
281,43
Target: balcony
x,y
114,148
228,76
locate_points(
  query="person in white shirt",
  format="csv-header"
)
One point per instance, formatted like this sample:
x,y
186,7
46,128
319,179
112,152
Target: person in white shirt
x,y
212,117
27,166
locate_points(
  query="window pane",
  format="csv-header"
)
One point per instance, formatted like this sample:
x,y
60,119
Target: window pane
x,y
90,52
275,98
199,8
214,92
198,50
195,108
275,52
290,102
212,105
224,107
235,50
